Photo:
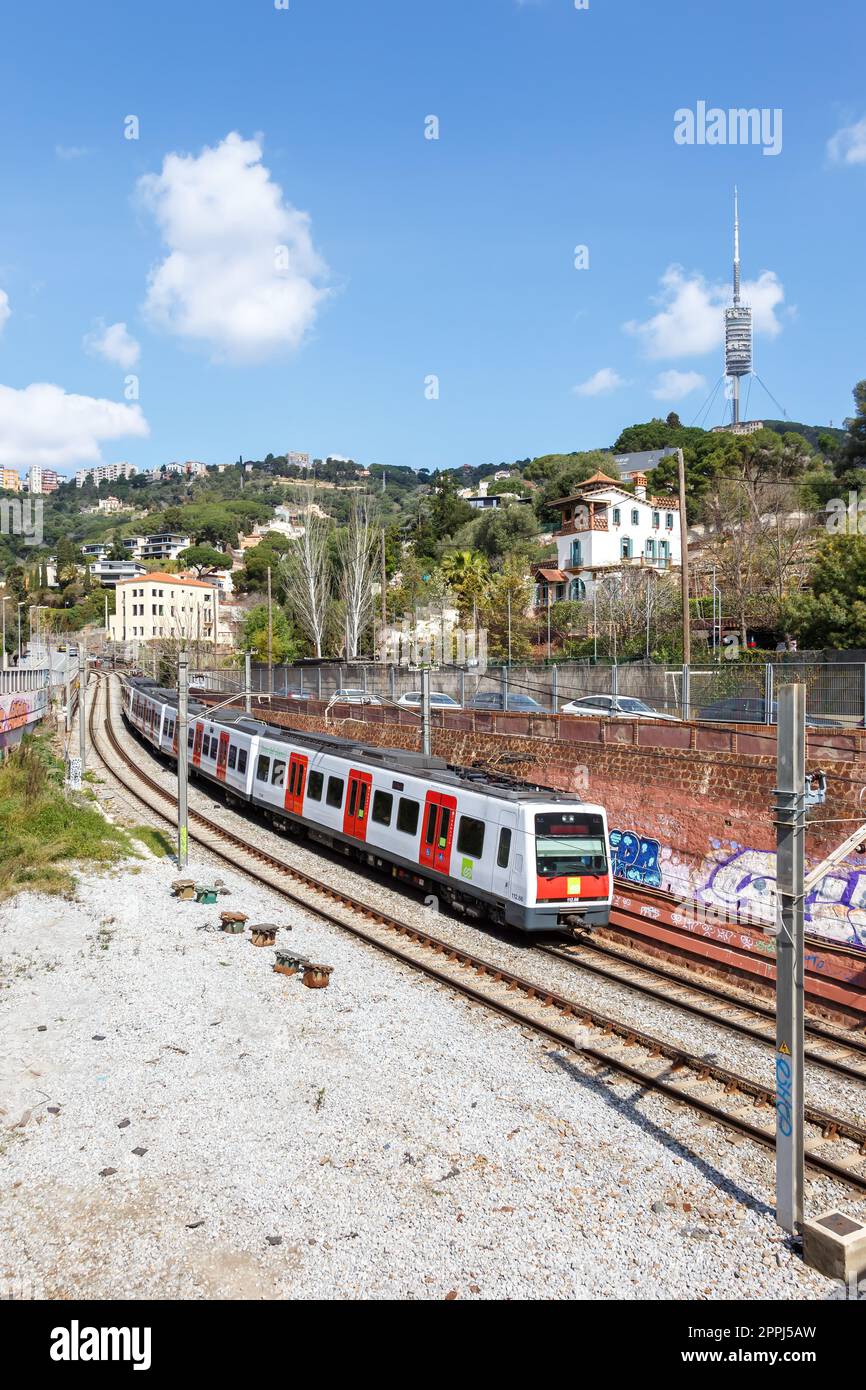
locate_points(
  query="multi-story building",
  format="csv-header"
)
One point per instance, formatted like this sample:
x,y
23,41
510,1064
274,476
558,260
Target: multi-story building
x,y
107,473
295,460
606,528
166,545
110,573
157,606
739,427
10,480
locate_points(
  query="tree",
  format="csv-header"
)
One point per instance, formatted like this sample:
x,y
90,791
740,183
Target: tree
x,y
285,644
467,572
507,530
851,458
305,578
833,614
204,557
357,551
505,610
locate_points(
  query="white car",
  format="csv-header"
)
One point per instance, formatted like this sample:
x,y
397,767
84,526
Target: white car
x,y
438,700
615,707
351,696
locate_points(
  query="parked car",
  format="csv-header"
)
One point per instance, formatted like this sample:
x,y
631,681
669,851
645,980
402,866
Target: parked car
x,y
614,706
351,696
751,710
438,700
293,693
517,704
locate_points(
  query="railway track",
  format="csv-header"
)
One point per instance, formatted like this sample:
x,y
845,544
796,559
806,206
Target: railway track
x,y
836,1146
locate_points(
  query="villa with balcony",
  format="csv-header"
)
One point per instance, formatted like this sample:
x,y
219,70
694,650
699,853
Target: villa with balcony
x,y
606,528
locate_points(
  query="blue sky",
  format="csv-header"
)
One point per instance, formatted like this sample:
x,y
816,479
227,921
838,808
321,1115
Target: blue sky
x,y
405,258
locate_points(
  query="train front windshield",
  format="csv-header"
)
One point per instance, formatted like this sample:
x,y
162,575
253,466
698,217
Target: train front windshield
x,y
569,843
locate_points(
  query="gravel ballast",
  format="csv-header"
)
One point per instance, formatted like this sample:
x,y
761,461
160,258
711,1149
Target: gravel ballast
x,y
190,1124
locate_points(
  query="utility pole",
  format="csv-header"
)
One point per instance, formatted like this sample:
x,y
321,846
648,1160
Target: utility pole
x,y
182,770
20,606
82,704
425,711
684,565
3,602
790,963
270,637
68,693
548,620
248,682
509,626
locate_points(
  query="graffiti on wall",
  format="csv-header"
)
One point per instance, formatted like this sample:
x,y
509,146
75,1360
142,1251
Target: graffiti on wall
x,y
16,712
635,858
736,880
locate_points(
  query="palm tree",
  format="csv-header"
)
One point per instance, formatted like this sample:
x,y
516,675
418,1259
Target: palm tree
x,y
468,574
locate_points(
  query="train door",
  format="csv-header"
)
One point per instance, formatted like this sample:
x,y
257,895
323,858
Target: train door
x,y
222,756
506,854
437,832
356,815
295,783
196,745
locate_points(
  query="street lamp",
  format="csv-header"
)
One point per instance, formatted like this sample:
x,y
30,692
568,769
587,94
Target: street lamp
x,y
20,606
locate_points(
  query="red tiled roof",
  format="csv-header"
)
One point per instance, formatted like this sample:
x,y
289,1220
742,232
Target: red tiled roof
x,y
158,578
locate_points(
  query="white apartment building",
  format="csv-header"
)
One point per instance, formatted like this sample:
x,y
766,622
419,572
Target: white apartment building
x,y
604,528
156,606
165,545
41,481
110,573
109,473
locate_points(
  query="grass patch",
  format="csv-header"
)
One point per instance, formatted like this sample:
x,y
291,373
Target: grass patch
x,y
44,828
156,841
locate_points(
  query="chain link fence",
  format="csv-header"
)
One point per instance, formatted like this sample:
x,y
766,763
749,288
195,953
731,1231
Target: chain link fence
x,y
742,693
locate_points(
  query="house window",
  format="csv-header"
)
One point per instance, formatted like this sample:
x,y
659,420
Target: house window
x,y
576,553
656,519
664,551
625,548
635,516
650,549
616,516
578,589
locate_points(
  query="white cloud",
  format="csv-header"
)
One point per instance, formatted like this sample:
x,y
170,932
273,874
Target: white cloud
x,y
690,321
113,342
675,386
43,424
70,151
242,275
600,383
848,145
5,311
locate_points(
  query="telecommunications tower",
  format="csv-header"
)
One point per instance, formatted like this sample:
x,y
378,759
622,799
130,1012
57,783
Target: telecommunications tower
x,y
738,329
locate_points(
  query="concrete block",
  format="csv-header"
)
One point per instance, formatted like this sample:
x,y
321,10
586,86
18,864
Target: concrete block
x,y
835,1245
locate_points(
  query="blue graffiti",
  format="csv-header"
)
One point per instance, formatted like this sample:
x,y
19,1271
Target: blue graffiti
x,y
635,859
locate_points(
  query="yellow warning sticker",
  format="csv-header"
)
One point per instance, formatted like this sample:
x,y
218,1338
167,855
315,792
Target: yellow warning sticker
x,y
572,887
785,1049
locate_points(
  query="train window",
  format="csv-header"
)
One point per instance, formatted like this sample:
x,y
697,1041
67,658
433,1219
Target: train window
x,y
278,776
407,816
430,828
383,805
353,797
314,786
470,837
233,755
242,760
263,768
335,792
503,854
444,825
190,737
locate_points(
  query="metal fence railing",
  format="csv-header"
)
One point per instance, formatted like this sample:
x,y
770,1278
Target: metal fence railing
x,y
728,692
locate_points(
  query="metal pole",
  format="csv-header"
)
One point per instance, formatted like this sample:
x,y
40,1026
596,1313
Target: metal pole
x,y
182,770
687,691
20,606
270,637
548,622
509,626
790,888
594,621
684,572
4,602
82,705
248,682
384,581
425,712
68,693
503,677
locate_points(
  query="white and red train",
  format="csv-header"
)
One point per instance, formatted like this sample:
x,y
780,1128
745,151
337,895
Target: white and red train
x,y
497,849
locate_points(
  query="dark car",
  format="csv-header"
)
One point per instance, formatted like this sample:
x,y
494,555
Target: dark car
x,y
751,710
517,704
